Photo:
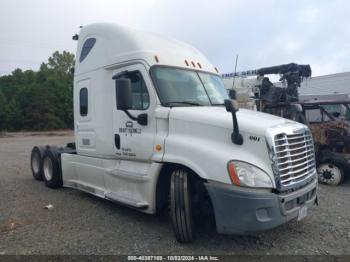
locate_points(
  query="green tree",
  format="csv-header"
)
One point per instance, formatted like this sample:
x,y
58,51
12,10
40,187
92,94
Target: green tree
x,y
40,100
61,63
3,111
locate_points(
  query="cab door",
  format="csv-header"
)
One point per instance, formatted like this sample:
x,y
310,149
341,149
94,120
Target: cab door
x,y
132,140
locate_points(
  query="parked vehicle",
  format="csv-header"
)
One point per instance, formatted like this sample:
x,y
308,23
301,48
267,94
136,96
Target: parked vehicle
x,y
154,127
329,121
326,115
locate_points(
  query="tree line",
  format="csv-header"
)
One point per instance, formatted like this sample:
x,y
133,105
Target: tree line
x,y
39,100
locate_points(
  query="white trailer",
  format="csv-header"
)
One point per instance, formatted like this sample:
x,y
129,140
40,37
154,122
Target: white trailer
x,y
153,123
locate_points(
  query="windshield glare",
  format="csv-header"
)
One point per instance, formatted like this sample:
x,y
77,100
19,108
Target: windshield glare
x,y
185,87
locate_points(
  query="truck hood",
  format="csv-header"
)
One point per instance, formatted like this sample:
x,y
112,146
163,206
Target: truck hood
x,y
200,138
248,121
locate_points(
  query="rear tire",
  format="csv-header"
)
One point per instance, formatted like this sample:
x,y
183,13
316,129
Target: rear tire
x,y
36,162
181,206
330,174
51,170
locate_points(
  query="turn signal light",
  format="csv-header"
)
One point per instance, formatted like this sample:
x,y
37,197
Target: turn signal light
x,y
233,174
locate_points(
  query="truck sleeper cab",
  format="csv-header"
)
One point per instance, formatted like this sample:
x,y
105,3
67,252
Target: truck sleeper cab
x,y
151,124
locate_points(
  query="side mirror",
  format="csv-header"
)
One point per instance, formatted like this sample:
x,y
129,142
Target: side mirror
x,y
123,93
232,94
231,105
124,99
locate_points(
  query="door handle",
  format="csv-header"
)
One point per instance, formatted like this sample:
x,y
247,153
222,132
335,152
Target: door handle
x,y
117,141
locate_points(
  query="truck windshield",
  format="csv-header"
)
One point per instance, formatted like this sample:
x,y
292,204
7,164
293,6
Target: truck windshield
x,y
341,111
181,87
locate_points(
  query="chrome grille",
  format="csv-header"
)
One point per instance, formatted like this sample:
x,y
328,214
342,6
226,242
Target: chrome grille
x,y
294,159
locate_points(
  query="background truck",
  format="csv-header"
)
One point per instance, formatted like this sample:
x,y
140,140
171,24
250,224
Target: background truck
x,y
154,127
327,116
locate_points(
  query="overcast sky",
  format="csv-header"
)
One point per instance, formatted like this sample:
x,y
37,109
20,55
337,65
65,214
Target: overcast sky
x,y
263,33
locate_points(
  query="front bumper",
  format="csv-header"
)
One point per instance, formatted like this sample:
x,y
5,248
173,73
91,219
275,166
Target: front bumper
x,y
239,211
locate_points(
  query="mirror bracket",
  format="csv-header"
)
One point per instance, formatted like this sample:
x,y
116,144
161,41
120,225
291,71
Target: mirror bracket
x,y
141,119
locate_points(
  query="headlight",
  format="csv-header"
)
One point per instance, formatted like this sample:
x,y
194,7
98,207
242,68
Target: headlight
x,y
244,174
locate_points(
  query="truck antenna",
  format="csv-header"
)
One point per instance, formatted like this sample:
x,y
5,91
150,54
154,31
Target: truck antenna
x,y
234,76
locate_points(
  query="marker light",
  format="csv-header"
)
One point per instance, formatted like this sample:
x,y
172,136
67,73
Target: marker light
x,y
156,58
199,65
233,174
194,65
186,62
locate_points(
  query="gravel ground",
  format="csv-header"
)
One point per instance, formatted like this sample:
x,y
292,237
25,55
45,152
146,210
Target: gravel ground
x,y
84,224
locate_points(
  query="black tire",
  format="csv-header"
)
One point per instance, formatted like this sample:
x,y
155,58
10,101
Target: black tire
x,y
51,169
36,162
181,206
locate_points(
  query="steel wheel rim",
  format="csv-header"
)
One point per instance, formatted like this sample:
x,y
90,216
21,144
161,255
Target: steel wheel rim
x,y
333,170
36,162
48,168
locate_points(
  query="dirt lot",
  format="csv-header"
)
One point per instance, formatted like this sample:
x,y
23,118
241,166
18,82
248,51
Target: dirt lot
x,y
84,224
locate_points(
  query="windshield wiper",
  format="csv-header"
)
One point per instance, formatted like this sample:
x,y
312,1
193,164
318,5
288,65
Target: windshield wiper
x,y
182,102
218,104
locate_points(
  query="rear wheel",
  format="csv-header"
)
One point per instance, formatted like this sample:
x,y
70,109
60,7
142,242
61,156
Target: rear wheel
x,y
330,174
181,206
51,170
36,162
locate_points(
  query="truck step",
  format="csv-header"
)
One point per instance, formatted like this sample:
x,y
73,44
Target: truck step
x,y
125,200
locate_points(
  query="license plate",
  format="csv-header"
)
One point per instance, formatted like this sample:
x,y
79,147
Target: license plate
x,y
302,213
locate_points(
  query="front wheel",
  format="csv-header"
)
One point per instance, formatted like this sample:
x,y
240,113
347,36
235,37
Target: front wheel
x,y
330,174
181,206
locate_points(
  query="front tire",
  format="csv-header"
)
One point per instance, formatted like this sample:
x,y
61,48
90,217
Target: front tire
x,y
181,206
51,170
330,174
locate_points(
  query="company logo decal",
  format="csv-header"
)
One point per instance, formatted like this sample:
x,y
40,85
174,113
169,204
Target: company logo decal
x,y
129,129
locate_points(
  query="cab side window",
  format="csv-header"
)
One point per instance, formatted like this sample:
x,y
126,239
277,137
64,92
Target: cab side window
x,y
140,96
316,116
88,45
83,101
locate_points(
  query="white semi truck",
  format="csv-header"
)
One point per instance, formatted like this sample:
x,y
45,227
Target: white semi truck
x,y
154,127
